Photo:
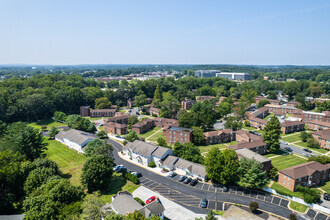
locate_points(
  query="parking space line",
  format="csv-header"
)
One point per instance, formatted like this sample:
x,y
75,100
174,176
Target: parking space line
x,y
272,199
208,189
280,202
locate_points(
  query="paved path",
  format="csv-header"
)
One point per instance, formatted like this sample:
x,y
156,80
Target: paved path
x,y
190,197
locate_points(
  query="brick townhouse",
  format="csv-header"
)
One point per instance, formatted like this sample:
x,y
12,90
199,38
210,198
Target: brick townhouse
x,y
102,113
292,126
259,98
84,111
308,116
177,134
143,126
204,98
257,123
323,137
258,146
274,102
154,111
219,136
292,103
318,125
122,119
115,128
245,136
249,154
280,109
260,113
187,103
307,174
166,122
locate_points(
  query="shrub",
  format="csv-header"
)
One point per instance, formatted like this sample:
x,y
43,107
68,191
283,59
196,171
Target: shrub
x,y
312,143
43,127
254,206
125,142
130,158
310,196
152,164
139,201
166,170
293,216
247,123
154,115
134,179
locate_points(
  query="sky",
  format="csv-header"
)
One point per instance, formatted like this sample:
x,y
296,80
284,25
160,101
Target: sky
x,y
257,32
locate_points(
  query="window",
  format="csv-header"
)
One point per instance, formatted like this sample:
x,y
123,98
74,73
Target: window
x,y
283,181
288,178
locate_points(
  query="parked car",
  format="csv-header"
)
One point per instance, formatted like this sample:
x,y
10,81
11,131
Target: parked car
x,y
325,196
172,174
193,182
306,155
288,149
120,169
151,199
307,150
203,203
137,174
187,180
182,178
225,188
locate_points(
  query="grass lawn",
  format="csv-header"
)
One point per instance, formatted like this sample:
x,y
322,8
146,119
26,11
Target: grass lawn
x,y
149,133
156,136
269,116
101,128
209,147
284,191
95,119
326,187
117,184
279,152
292,138
68,160
298,207
286,161
248,128
219,212
48,122
304,145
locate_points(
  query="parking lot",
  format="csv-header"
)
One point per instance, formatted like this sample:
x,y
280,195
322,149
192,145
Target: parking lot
x,y
317,215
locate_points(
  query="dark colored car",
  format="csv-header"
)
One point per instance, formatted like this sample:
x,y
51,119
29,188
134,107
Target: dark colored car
x,y
182,178
137,174
288,149
121,169
307,150
326,196
204,203
172,174
187,180
225,188
193,182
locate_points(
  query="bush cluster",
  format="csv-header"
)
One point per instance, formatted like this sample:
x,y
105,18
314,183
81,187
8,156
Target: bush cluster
x,y
131,177
310,196
152,164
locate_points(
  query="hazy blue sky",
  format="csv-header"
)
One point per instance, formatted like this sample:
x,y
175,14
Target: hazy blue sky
x,y
164,32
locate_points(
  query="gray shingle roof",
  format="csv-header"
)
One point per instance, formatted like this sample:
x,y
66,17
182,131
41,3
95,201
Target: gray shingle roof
x,y
193,168
74,135
249,154
124,204
155,208
141,147
160,151
170,160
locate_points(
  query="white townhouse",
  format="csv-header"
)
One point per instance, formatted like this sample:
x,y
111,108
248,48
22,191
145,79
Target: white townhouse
x,y
144,153
74,139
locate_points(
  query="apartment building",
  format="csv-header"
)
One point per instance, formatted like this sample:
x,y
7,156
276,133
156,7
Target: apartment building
x,y
323,137
280,109
308,116
259,98
204,98
219,136
84,111
307,174
292,103
318,125
258,146
249,154
154,111
245,136
143,126
115,128
257,123
166,122
260,113
102,113
274,102
187,104
292,126
123,119
177,134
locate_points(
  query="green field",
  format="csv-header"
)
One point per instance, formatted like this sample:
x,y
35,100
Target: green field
x,y
326,187
156,136
47,122
292,138
304,145
95,119
284,191
279,152
298,207
149,133
68,160
220,146
286,161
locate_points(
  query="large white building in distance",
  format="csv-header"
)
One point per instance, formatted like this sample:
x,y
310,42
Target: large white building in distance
x,y
218,73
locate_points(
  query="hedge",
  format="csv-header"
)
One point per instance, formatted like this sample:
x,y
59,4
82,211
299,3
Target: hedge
x,y
131,177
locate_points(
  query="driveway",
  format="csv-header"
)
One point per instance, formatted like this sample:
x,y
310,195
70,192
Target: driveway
x,y
296,150
190,197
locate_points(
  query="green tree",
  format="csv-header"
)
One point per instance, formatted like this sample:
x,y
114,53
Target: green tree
x,y
80,123
272,133
254,206
132,119
102,103
136,215
96,172
250,95
141,99
188,151
250,174
224,109
188,119
52,132
210,216
305,136
273,172
132,136
241,109
102,134
262,103
114,216
292,216
169,106
158,97
312,143
233,123
206,114
198,135
162,142
222,166
271,95
321,159
92,208
98,147
60,116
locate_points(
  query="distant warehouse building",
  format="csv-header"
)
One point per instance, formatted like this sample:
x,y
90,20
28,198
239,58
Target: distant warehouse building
x,y
226,75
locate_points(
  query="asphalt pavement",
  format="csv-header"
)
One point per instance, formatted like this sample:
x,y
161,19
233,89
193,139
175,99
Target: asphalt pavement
x,y
190,197
296,150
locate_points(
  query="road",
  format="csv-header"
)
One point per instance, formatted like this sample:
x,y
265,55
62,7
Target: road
x,y
296,150
190,196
